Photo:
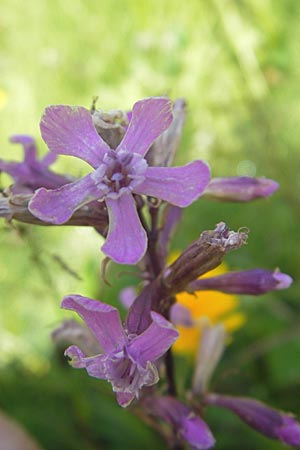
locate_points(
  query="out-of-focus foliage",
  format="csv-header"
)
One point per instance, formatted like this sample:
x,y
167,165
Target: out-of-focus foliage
x,y
237,63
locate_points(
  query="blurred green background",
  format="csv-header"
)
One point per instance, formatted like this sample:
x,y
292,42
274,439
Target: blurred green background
x,y
237,63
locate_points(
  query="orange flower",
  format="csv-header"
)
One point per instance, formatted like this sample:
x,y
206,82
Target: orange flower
x,y
216,306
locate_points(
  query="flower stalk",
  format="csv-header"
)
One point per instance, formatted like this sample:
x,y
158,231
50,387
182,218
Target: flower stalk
x,y
134,199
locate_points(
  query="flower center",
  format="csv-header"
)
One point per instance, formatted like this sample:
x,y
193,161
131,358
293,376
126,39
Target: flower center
x,y
127,375
120,171
122,373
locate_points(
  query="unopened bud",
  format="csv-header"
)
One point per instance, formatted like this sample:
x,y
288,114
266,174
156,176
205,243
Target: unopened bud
x,y
268,421
110,125
186,424
71,332
249,282
240,189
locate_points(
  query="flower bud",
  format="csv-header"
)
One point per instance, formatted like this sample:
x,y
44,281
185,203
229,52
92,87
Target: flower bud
x,y
186,424
268,421
110,125
249,282
240,189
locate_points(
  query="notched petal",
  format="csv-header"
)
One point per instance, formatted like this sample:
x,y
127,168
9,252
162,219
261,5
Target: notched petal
x,y
154,341
58,205
126,242
102,319
69,130
179,186
150,117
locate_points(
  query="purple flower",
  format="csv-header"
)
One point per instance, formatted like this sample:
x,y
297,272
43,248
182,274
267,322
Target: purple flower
x,y
240,189
31,174
187,425
118,173
268,421
249,282
128,359
127,296
181,316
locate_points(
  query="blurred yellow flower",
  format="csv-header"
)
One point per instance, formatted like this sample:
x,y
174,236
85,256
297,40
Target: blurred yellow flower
x,y
3,98
216,306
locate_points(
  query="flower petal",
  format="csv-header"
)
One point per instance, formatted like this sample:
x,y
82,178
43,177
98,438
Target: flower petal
x,y
289,433
179,186
48,159
102,319
71,331
58,205
69,130
126,242
127,296
164,148
93,364
124,398
154,342
181,315
150,117
29,147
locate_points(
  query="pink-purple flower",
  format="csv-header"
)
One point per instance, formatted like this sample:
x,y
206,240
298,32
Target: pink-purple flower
x,y
188,426
31,173
118,173
128,361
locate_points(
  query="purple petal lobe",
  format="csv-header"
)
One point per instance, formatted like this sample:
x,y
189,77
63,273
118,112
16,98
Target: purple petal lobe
x,y
179,186
126,242
289,433
180,315
283,280
150,117
195,431
29,146
164,148
69,130
57,206
124,399
93,364
48,159
76,357
79,334
154,342
102,319
127,296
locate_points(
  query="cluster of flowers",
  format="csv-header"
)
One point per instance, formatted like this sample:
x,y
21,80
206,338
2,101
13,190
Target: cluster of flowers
x,y
134,199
